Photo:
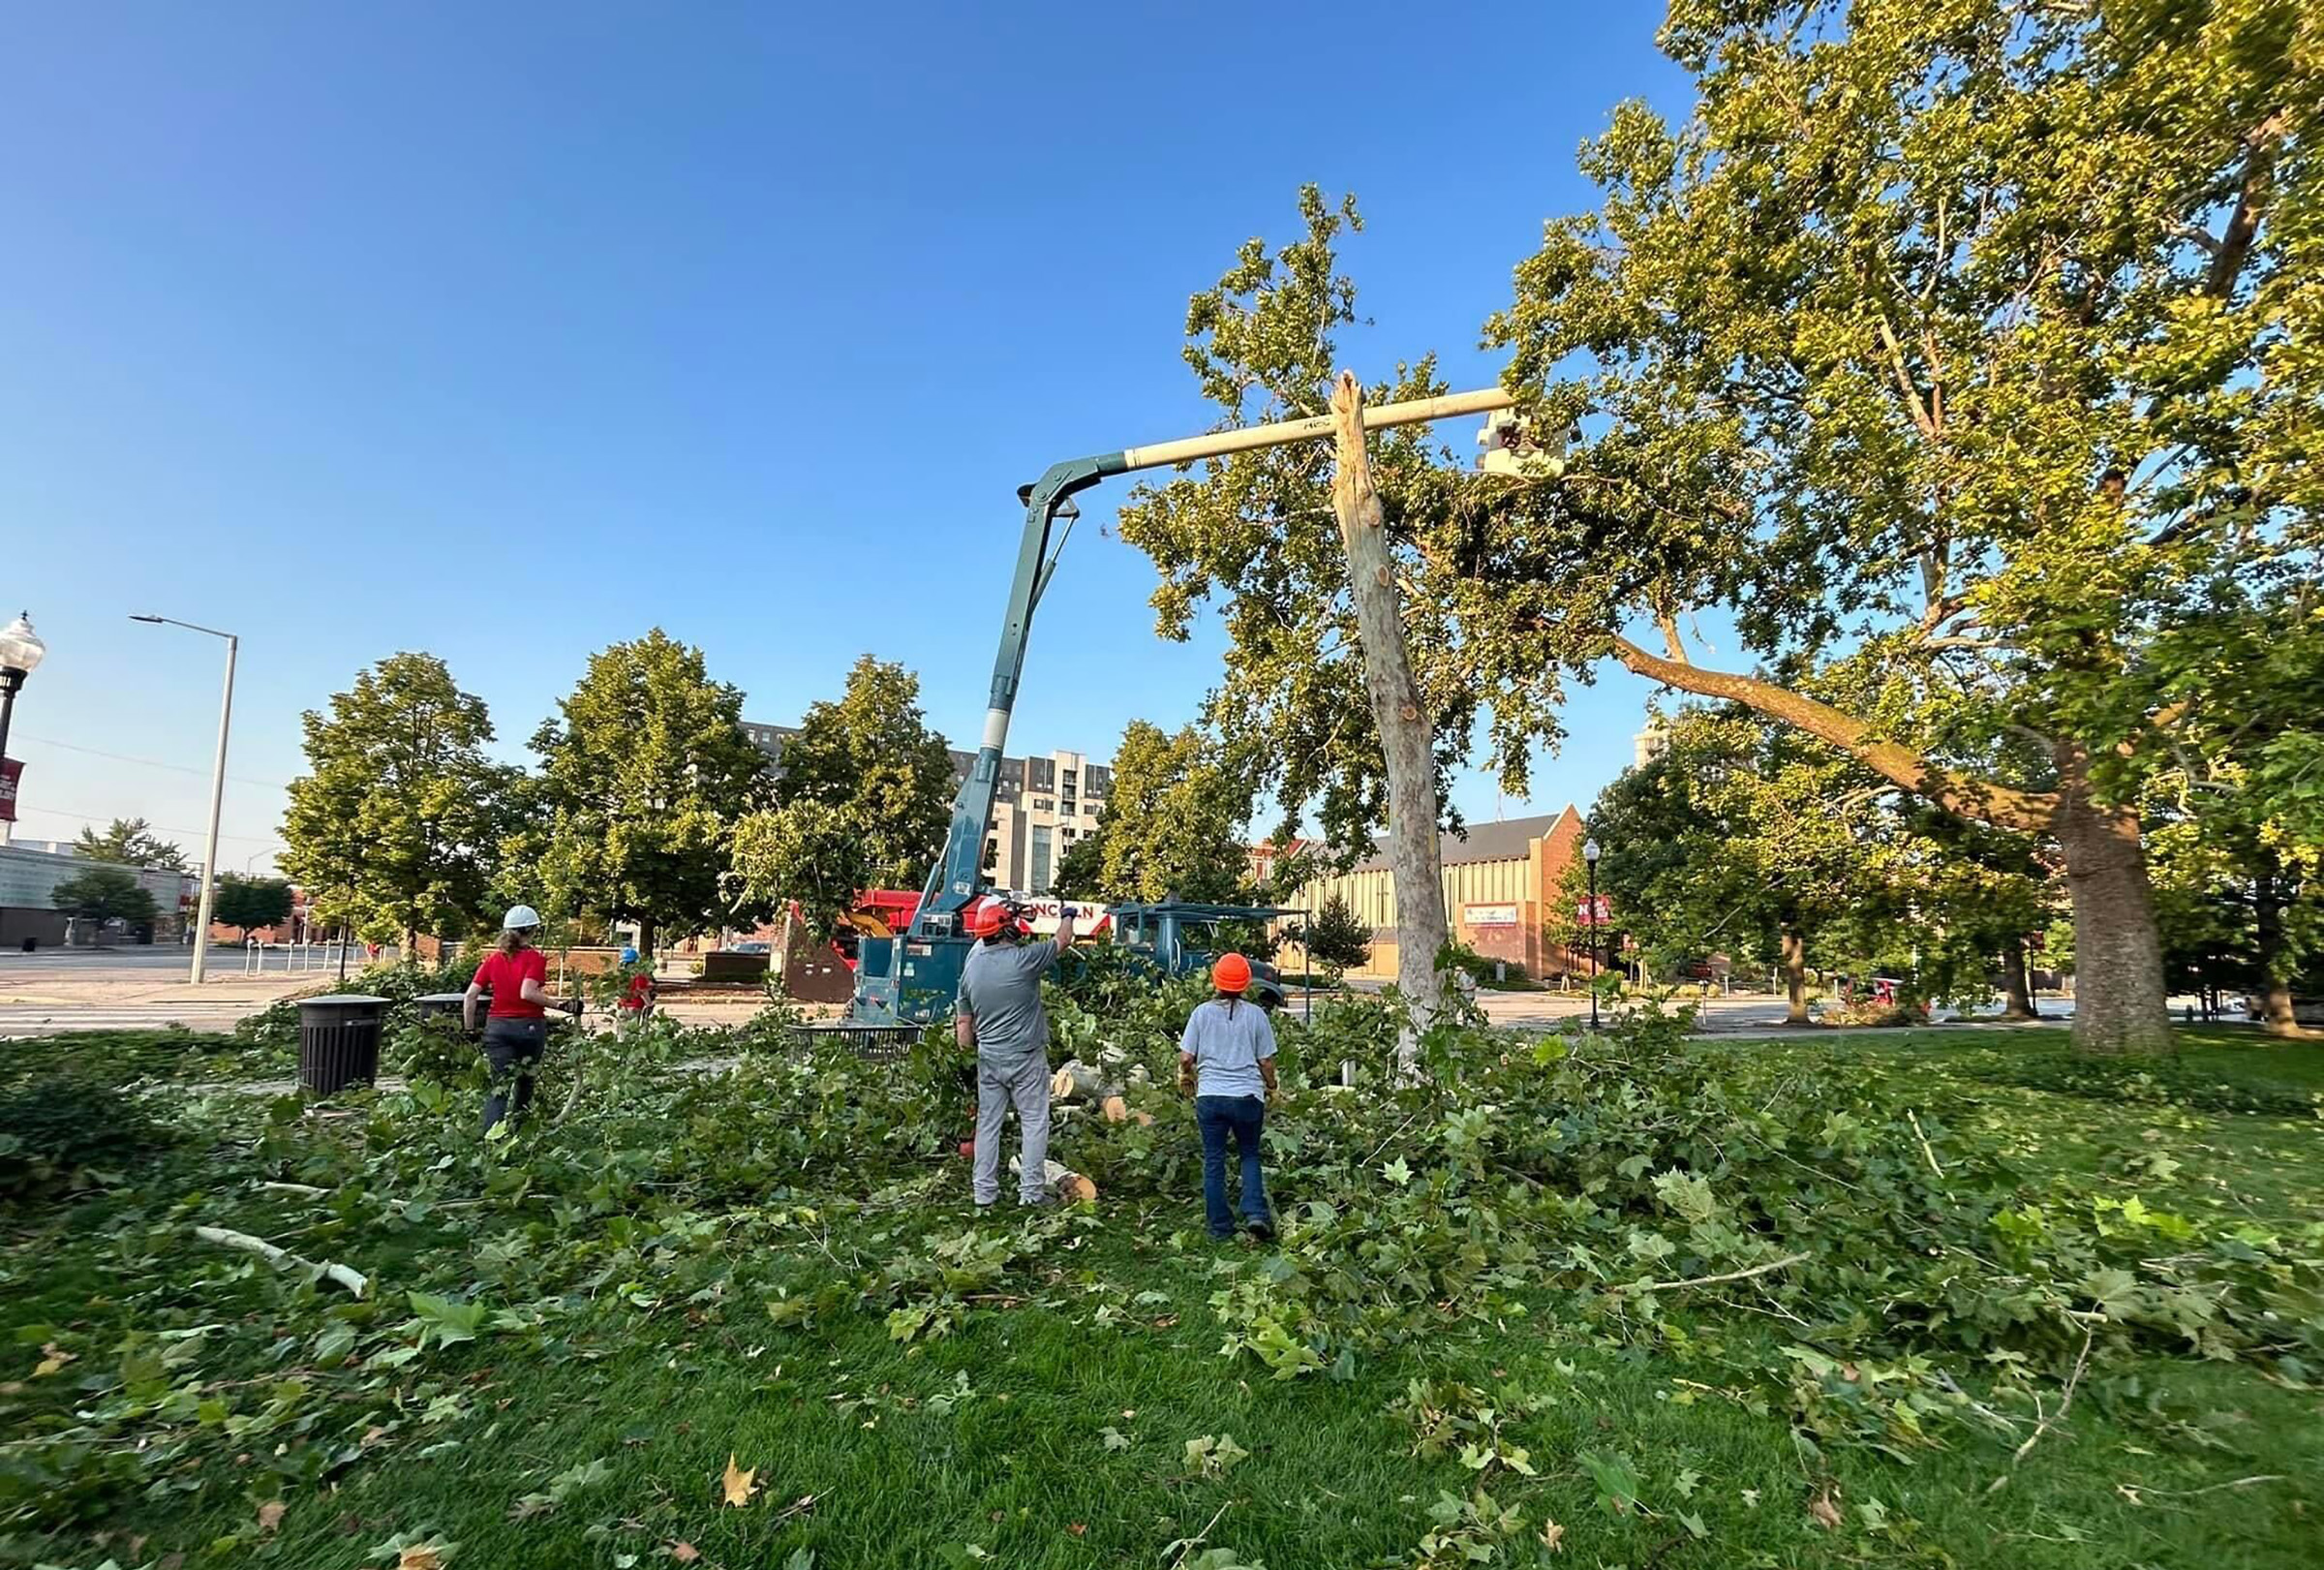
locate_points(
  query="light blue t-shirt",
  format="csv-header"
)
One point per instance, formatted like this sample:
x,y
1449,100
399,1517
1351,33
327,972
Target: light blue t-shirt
x,y
1227,1048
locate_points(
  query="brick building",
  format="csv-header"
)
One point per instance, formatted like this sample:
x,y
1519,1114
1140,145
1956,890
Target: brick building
x,y
1502,882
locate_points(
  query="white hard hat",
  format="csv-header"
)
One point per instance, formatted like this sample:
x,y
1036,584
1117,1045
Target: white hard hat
x,y
520,916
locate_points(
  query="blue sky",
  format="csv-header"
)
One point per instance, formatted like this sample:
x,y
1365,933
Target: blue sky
x,y
507,331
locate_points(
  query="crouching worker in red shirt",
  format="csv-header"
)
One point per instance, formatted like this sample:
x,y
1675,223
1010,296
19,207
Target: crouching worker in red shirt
x,y
516,1033
637,1000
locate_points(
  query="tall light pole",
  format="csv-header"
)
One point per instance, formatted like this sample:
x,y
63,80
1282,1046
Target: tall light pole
x,y
1589,855
21,653
209,856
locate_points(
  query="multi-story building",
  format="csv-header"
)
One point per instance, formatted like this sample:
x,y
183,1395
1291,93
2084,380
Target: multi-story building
x,y
1041,806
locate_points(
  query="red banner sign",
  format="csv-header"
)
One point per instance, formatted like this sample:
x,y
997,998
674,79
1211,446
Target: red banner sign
x,y
10,770
1604,912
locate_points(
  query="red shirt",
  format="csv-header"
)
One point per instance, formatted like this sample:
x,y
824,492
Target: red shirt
x,y
641,987
504,974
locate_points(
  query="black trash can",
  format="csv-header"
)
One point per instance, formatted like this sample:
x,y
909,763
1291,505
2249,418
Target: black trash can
x,y
444,1008
339,1041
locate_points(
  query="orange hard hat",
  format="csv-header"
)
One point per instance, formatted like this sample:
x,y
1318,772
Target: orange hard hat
x,y
985,921
1232,972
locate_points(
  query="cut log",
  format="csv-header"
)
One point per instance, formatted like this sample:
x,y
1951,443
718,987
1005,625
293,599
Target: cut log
x,y
1076,1081
284,1259
1115,1109
1063,1180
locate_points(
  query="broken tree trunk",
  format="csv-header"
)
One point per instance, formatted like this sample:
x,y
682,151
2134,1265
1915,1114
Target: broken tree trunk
x,y
1407,735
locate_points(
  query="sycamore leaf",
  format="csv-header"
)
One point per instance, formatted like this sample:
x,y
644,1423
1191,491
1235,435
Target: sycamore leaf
x,y
737,1483
1114,1438
423,1557
270,1514
1553,1537
55,1359
1396,1171
1822,1511
685,1553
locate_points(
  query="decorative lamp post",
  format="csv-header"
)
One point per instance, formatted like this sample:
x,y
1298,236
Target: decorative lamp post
x,y
1590,854
21,653
210,858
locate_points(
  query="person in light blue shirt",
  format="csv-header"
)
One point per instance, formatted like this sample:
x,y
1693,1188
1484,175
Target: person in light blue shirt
x,y
1227,1059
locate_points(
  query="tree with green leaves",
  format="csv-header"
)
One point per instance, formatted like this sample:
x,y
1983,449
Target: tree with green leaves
x,y
1335,938
246,902
803,850
1080,872
872,756
396,826
645,770
130,842
105,894
1957,347
1173,817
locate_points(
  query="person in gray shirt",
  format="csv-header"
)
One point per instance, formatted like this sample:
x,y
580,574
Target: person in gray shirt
x,y
998,1012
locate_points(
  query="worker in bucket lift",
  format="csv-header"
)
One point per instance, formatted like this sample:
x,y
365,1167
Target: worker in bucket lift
x,y
1000,1014
516,1033
1227,1060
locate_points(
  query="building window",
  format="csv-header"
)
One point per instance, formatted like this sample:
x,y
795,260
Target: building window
x,y
1039,871
1042,804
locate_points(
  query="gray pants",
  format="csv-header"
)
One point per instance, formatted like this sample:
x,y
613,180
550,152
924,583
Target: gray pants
x,y
1025,1081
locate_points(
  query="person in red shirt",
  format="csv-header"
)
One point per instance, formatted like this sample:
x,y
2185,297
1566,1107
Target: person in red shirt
x,y
516,1032
638,1000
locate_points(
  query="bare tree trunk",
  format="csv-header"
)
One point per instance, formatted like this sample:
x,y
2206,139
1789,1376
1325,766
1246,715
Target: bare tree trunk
x,y
645,937
2017,999
2267,922
2119,1001
1795,977
1407,737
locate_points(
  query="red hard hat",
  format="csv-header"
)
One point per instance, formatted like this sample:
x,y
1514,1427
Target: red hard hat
x,y
1232,972
987,919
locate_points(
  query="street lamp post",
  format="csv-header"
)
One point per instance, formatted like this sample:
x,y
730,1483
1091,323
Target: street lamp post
x,y
21,653
1589,855
209,858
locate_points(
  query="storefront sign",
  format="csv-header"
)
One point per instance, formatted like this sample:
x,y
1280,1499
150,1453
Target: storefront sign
x,y
1488,915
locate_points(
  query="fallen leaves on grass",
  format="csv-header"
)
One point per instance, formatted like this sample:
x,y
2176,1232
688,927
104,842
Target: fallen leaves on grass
x,y
1822,1511
685,1553
54,1360
1553,1537
270,1514
737,1485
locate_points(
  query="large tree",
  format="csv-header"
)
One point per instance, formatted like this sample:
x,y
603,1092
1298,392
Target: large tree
x,y
104,894
396,827
130,842
1956,342
805,851
1173,820
643,772
872,756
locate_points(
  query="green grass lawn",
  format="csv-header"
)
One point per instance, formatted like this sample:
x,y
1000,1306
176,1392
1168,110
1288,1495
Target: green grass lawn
x,y
158,1395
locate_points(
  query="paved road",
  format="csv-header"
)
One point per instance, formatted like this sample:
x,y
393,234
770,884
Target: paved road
x,y
44,992
1758,1014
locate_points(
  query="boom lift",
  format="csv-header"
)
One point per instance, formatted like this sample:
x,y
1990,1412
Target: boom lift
x,y
904,983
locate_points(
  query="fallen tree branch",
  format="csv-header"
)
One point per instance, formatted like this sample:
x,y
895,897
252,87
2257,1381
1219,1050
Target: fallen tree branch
x,y
281,1258
305,1190
2066,1405
1924,1142
1713,1281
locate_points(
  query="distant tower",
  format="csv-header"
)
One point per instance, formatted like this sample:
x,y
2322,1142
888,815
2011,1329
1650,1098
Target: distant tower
x,y
1649,744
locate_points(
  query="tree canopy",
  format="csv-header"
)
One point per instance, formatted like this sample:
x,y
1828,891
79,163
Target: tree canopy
x,y
396,826
1174,818
872,756
104,894
1964,344
645,770
245,903
130,842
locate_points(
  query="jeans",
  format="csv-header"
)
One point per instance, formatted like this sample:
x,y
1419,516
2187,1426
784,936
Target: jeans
x,y
513,1049
1242,1116
1025,1083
